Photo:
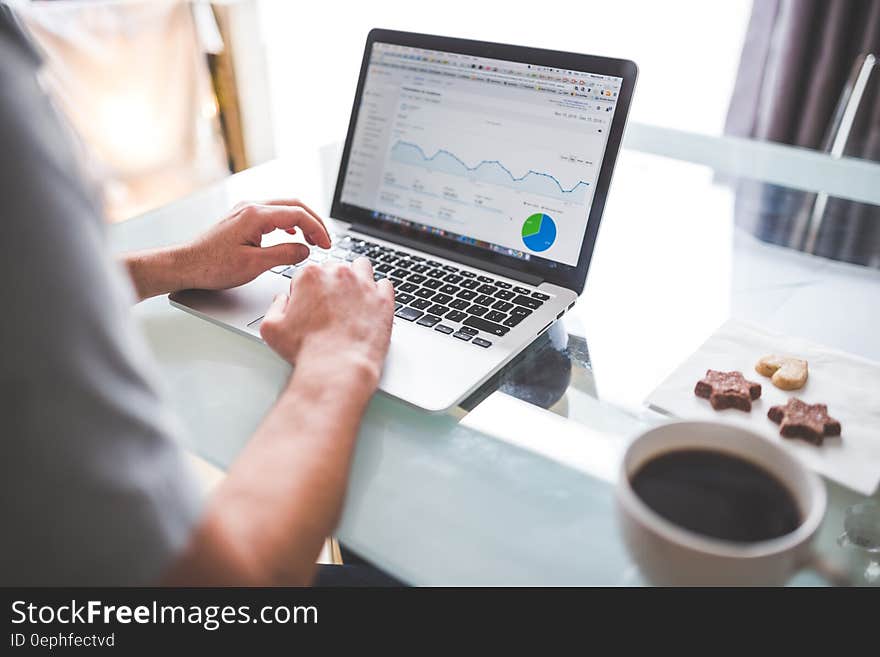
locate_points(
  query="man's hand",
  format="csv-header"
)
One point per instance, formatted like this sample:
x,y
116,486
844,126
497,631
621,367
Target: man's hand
x,y
267,521
229,254
334,313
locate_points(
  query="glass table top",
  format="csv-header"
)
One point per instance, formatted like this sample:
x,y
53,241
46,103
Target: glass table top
x,y
683,247
676,260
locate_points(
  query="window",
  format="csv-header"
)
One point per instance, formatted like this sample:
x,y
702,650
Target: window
x,y
687,51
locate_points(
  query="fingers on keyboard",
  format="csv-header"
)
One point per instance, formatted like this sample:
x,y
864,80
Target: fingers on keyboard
x,y
436,295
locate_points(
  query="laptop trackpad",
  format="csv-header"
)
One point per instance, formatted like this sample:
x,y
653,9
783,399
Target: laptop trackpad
x,y
241,307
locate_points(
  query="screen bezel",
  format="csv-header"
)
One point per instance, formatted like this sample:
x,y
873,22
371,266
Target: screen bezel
x,y
572,277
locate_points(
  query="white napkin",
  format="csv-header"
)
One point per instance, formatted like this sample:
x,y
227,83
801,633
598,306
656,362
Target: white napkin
x,y
848,384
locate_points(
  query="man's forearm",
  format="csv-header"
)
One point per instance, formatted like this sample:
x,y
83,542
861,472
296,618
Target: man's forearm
x,y
269,518
157,271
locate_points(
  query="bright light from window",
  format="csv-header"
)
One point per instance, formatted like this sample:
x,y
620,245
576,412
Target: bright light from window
x,y
687,52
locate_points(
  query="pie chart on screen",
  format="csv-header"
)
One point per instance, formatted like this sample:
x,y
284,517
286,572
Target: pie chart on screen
x,y
539,232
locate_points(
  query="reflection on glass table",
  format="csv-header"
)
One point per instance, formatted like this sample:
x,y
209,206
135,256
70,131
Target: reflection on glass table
x,y
542,373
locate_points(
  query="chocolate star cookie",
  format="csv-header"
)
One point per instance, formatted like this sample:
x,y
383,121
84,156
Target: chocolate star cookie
x,y
727,390
811,422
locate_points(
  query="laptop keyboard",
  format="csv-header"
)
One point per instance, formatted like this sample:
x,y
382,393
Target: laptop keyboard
x,y
465,305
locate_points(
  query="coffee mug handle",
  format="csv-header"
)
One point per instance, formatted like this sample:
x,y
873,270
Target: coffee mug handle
x,y
832,574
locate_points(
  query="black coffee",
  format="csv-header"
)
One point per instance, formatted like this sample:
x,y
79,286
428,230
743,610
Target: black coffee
x,y
718,495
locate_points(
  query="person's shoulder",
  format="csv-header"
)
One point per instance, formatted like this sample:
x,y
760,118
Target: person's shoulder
x,y
18,53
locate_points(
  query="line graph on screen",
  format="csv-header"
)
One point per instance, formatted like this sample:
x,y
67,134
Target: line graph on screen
x,y
489,171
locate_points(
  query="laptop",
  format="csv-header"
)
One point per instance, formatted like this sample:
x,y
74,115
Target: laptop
x,y
473,176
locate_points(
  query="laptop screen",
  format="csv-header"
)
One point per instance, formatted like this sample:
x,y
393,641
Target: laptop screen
x,y
494,154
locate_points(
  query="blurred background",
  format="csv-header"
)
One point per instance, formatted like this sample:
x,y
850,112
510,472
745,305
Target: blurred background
x,y
168,96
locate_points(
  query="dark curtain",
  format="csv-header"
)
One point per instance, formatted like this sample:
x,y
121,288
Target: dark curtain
x,y
796,60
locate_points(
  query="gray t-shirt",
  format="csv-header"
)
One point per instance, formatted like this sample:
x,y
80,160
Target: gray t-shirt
x,y
94,490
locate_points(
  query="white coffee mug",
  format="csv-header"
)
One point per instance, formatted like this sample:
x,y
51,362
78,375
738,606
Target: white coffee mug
x,y
670,555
